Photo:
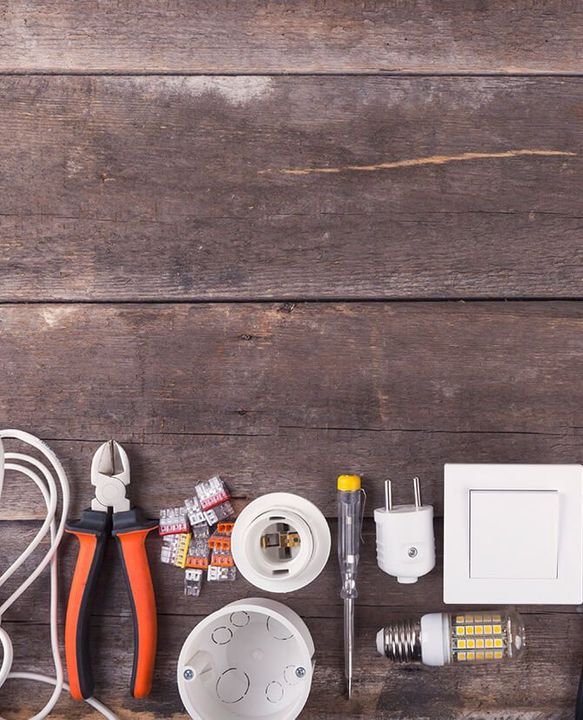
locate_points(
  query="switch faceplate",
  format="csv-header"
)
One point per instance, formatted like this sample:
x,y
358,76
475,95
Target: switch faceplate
x,y
513,534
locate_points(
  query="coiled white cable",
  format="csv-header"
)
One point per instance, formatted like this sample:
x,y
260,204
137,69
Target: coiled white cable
x,y
44,478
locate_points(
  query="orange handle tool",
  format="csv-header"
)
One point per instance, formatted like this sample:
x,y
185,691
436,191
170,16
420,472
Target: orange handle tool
x,y
131,532
91,531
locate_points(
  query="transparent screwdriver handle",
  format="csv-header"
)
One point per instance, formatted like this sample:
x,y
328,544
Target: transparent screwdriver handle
x,y
350,510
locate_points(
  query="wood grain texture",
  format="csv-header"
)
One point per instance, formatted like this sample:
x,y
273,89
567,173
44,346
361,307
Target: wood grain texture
x,y
176,161
320,599
543,686
278,396
225,188
537,688
424,36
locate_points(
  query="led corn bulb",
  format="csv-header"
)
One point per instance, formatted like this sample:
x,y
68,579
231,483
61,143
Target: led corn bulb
x,y
444,639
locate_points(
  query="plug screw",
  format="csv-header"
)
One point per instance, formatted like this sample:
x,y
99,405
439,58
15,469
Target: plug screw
x,y
413,552
301,672
188,674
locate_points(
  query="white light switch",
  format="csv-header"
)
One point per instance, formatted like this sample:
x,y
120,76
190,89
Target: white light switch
x,y
514,534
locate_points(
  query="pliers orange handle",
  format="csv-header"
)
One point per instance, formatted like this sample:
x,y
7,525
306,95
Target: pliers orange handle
x,y
131,532
92,531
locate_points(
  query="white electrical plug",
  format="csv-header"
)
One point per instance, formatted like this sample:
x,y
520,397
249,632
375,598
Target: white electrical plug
x,y
405,538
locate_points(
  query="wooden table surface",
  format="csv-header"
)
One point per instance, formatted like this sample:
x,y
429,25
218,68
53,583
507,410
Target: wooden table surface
x,y
281,240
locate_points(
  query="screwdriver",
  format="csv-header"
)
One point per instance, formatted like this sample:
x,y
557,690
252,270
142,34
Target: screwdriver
x,y
350,513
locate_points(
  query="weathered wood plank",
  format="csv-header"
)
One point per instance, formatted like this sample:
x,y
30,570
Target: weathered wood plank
x,y
202,188
543,686
275,397
241,389
318,600
424,36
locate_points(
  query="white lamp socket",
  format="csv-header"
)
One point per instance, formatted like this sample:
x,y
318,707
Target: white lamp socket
x,y
281,542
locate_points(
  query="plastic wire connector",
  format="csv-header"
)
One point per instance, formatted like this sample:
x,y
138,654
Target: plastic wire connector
x,y
193,582
220,542
211,493
194,511
214,498
174,549
225,528
219,512
222,560
221,574
173,521
198,549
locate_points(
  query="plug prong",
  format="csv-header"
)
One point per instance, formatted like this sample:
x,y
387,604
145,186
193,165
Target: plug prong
x,y
388,496
417,491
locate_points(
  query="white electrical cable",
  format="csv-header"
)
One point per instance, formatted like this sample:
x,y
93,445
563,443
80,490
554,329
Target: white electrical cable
x,y
44,478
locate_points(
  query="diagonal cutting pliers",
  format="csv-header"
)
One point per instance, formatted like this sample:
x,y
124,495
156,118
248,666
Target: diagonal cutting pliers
x,y
110,514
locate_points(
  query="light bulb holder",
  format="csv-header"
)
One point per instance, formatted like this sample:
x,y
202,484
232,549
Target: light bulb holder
x,y
281,542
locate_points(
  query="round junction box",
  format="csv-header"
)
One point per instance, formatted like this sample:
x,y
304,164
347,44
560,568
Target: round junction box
x,y
251,659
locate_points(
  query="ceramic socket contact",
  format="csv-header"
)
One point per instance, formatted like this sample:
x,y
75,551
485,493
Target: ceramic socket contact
x,y
405,538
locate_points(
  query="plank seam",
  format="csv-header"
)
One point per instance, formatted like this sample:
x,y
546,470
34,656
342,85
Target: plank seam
x,y
293,300
288,74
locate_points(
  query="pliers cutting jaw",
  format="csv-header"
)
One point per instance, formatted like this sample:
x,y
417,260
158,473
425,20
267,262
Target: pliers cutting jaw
x,y
110,474
110,514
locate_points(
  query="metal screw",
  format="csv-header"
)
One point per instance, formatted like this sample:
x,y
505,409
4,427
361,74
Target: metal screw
x,y
188,674
412,552
301,672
